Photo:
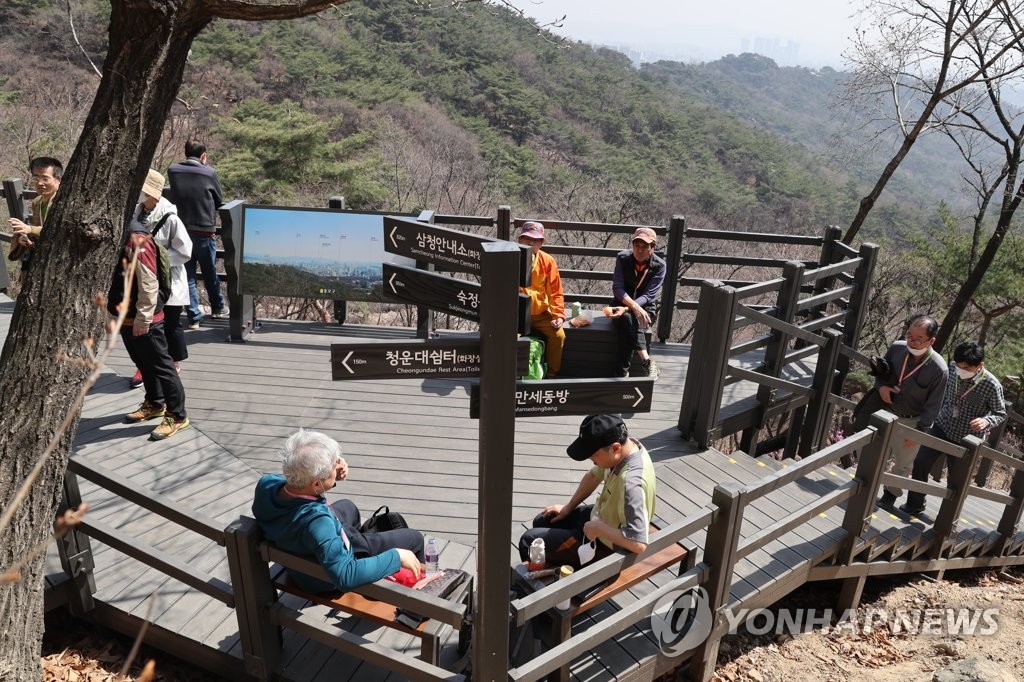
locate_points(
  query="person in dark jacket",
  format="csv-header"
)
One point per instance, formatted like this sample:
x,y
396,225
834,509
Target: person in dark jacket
x,y
196,192
293,513
636,283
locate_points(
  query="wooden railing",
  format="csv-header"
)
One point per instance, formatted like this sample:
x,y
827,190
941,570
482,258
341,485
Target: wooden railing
x,y
820,324
847,552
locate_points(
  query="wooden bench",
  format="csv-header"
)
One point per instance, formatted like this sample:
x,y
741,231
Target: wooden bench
x,y
263,567
646,566
592,352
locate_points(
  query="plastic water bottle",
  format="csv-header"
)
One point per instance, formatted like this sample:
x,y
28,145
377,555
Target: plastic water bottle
x,y
537,558
432,555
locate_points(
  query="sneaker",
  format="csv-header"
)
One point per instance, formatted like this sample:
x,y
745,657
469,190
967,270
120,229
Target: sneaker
x,y
147,410
887,501
217,314
136,380
193,325
168,427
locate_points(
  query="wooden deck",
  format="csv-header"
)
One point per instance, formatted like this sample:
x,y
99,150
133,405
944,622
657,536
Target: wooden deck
x,y
409,444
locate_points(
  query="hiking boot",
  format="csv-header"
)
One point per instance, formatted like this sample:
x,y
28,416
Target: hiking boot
x,y
168,427
887,501
147,410
648,368
136,380
912,511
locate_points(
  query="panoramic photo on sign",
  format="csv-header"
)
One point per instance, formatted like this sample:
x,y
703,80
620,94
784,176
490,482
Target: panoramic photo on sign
x,y
313,253
548,398
433,358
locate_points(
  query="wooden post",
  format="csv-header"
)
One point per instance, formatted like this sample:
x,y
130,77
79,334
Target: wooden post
x,y
75,554
254,593
775,353
816,422
424,315
719,552
856,310
14,194
862,504
705,376
673,260
960,470
1010,519
340,304
499,298
994,437
242,318
505,222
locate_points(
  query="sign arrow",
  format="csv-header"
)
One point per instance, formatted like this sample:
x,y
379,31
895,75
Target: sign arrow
x,y
391,282
392,236
344,363
639,393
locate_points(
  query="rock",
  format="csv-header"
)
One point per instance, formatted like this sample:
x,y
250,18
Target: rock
x,y
973,669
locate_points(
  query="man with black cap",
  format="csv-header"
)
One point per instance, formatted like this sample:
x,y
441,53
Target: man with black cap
x,y
575,533
636,283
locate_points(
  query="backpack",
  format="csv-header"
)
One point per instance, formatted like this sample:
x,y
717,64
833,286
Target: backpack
x,y
538,366
163,264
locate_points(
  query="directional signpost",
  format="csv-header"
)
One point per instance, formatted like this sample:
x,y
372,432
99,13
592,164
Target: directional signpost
x,y
448,250
415,359
445,294
576,396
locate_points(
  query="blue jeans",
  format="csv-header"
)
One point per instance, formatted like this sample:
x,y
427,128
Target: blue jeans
x,y
204,252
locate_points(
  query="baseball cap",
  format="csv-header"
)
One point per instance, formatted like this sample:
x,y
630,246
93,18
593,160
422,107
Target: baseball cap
x,y
597,431
646,234
533,230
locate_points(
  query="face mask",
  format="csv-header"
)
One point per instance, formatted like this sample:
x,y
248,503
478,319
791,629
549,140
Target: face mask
x,y
587,552
965,373
142,198
917,352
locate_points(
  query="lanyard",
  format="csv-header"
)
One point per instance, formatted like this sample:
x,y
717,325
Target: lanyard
x,y
643,276
974,384
903,376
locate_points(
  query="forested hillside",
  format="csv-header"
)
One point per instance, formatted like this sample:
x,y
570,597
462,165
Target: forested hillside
x,y
401,107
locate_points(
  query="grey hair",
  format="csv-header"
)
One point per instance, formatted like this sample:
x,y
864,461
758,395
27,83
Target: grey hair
x,y
309,456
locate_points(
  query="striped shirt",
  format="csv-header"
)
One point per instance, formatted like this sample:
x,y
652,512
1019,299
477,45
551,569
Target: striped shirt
x,y
966,400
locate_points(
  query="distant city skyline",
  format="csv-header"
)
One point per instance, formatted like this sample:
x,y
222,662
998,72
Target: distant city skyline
x,y
811,33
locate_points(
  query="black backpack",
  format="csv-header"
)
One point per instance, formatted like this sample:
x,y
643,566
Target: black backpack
x,y
163,264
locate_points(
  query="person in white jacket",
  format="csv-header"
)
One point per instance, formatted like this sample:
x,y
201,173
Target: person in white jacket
x,y
160,217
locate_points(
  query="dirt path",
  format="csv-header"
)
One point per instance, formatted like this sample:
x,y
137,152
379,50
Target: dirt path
x,y
889,653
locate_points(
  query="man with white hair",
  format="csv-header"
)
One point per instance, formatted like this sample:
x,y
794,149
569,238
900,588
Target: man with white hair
x,y
293,512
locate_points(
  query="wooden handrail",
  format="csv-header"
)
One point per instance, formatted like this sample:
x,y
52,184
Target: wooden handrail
x,y
763,237
159,504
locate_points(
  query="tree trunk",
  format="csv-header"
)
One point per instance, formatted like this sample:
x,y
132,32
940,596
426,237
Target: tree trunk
x,y
148,44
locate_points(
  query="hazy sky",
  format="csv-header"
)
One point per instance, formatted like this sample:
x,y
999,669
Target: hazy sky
x,y
793,32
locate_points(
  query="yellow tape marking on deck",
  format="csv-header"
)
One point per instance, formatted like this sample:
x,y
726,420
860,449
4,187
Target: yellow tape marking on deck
x,y
874,516
823,515
732,461
831,473
761,464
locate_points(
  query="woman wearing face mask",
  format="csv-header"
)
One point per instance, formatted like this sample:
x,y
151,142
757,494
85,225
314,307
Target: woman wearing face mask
x,y
912,391
972,404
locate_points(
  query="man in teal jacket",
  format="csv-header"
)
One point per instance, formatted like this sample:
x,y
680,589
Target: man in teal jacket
x,y
293,513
